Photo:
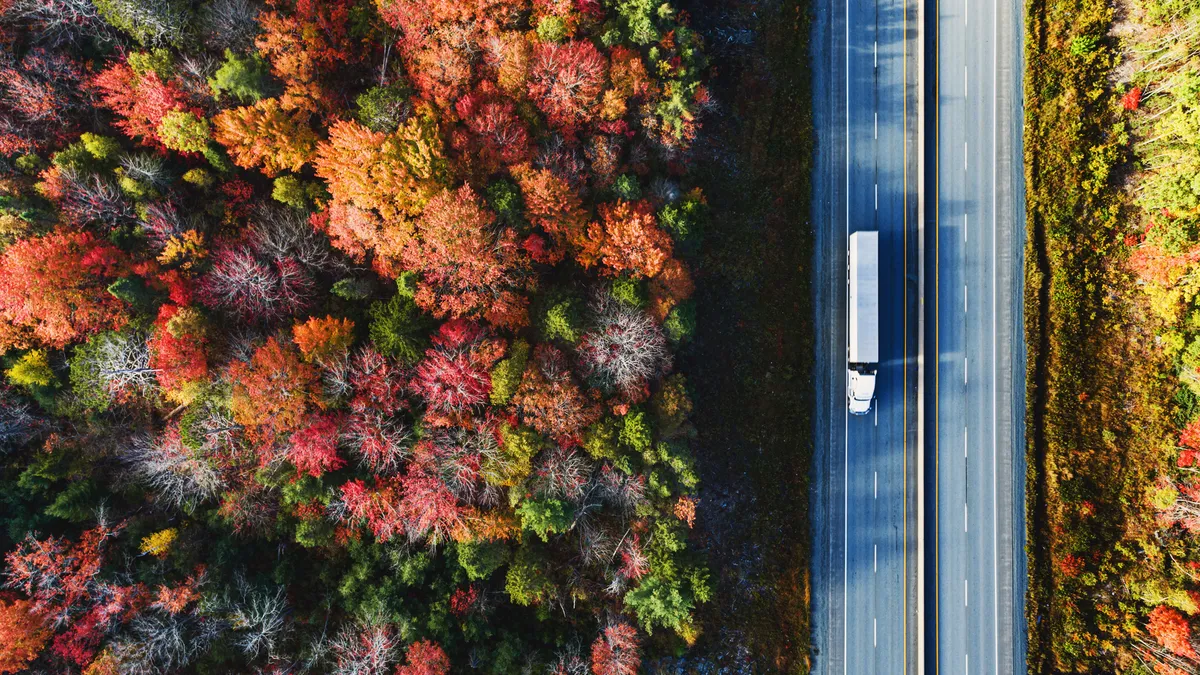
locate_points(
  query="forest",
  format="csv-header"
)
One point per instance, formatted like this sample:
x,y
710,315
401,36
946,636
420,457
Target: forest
x,y
1113,98
341,336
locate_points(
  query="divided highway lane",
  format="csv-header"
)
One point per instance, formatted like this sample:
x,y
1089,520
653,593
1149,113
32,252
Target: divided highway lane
x,y
973,610
865,574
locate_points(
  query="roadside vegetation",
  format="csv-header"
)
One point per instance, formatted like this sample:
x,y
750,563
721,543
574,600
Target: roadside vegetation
x,y
1114,335
342,336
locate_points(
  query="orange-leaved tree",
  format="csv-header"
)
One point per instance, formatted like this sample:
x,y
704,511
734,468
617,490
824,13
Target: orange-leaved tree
x,y
266,136
468,266
273,393
379,183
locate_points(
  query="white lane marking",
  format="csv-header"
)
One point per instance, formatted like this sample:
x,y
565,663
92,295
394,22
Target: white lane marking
x,y
964,298
965,518
964,228
876,414
874,632
995,442
877,196
876,485
964,155
845,415
876,53
965,603
966,89
967,664
876,558
964,441
965,363
876,126
966,11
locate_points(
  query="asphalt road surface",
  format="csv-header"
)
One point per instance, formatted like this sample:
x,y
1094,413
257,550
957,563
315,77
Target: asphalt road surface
x,y
864,500
975,404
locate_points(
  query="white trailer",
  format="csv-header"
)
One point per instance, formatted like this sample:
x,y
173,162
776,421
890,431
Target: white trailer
x,y
863,333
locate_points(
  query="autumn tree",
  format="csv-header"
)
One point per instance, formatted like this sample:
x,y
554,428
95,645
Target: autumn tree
x,y
23,634
306,42
496,135
633,242
273,393
265,276
177,349
379,183
313,448
550,400
468,266
617,651
53,289
424,658
42,96
140,101
323,340
566,81
1171,629
553,205
454,378
265,136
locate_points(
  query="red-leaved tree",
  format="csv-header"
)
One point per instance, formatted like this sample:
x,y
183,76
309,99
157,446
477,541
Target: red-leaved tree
x,y
314,447
139,101
1171,629
53,289
549,400
566,82
617,651
424,658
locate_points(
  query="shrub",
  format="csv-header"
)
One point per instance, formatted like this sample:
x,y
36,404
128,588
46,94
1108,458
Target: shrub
x,y
243,78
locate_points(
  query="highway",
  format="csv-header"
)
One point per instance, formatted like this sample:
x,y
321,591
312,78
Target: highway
x,y
975,406
954,192
864,504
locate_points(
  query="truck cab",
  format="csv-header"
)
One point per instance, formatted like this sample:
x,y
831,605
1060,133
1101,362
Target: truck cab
x,y
862,350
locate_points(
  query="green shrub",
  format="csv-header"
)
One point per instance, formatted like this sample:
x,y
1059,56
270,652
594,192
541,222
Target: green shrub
x,y
158,61
504,198
600,439
242,77
383,108
31,370
353,288
184,131
626,186
627,291
397,326
560,317
481,558
506,375
636,433
289,190
680,323
552,29
544,517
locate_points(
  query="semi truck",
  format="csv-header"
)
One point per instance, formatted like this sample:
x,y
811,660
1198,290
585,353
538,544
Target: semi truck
x,y
862,353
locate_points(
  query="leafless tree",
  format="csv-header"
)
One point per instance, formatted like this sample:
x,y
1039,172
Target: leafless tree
x,y
365,649
92,199
626,349
563,474
230,24
259,617
163,643
146,168
178,475
57,22
286,233
115,364
568,660
623,491
251,286
18,424
156,23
